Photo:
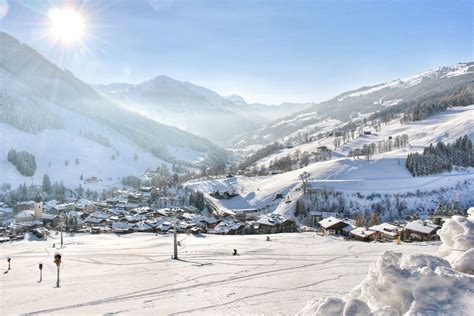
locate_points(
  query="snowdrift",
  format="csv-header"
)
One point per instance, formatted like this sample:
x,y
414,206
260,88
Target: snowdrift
x,y
415,284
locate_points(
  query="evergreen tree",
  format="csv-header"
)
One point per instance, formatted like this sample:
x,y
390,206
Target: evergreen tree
x,y
46,183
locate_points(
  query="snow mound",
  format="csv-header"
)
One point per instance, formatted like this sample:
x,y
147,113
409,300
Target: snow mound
x,y
457,235
415,284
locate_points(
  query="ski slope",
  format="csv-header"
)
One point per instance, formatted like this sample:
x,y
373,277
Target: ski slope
x,y
134,275
52,147
384,173
446,126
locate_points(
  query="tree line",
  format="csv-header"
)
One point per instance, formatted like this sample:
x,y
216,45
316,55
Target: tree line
x,y
24,162
367,150
441,158
259,154
96,137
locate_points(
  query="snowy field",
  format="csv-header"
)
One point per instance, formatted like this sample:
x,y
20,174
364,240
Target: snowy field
x,y
133,274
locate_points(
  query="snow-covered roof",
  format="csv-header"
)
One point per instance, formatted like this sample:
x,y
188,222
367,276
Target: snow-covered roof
x,y
330,221
49,216
385,228
121,226
348,228
323,214
99,214
362,232
271,219
424,227
94,220
25,213
245,210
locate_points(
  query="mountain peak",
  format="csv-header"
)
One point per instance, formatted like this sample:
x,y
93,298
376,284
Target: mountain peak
x,y
236,99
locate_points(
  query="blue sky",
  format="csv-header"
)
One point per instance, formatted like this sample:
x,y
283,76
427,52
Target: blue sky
x,y
266,51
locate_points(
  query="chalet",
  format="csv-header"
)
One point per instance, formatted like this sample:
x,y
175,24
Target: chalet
x,y
228,227
51,220
22,206
91,179
346,230
317,216
271,224
421,230
121,228
226,195
25,216
362,234
209,222
246,214
385,231
97,218
134,198
332,225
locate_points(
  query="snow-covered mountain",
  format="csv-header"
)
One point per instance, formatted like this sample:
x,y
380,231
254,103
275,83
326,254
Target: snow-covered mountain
x,y
429,89
358,185
73,130
196,109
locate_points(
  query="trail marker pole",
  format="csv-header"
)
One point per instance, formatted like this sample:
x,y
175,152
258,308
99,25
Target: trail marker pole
x,y
57,261
175,246
40,266
62,240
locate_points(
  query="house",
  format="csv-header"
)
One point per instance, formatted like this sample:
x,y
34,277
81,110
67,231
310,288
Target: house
x,y
51,220
346,230
121,228
246,214
272,223
228,227
332,225
385,231
421,230
317,216
26,205
25,216
91,179
362,234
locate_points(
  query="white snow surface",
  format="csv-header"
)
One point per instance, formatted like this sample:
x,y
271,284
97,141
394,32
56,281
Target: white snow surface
x,y
457,235
416,284
134,275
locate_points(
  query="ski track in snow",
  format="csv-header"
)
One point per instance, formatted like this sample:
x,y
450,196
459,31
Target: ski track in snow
x,y
133,274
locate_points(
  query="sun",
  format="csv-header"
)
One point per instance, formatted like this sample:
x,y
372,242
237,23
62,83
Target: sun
x,y
67,25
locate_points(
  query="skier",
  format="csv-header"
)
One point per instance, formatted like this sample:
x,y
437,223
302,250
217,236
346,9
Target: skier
x,y
268,238
8,260
235,252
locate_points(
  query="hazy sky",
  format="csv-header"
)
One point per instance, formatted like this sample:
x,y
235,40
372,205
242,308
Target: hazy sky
x,y
266,51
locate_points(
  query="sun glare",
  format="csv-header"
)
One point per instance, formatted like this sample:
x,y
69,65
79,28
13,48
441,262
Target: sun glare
x,y
67,25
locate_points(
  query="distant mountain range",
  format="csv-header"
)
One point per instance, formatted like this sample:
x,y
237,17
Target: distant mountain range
x,y
37,98
438,87
196,109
